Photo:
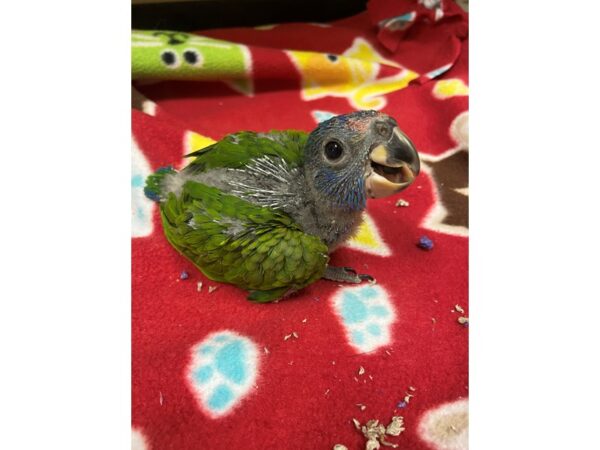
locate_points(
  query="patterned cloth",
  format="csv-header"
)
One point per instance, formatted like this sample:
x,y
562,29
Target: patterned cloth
x,y
213,370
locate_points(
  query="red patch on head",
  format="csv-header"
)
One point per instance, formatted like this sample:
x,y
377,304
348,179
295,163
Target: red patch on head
x,y
359,125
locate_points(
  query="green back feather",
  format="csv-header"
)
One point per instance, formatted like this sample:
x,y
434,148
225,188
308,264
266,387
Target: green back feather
x,y
234,241
238,149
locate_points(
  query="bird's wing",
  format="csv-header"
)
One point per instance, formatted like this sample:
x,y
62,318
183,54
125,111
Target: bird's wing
x,y
237,150
234,241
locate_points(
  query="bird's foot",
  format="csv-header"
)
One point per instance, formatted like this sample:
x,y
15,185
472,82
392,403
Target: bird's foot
x,y
346,275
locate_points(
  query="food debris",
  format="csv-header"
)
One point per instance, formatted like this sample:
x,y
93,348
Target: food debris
x,y
266,351
212,289
407,398
463,321
459,309
375,434
199,286
425,243
183,275
340,447
401,404
160,398
286,337
402,203
361,370
396,426
370,377
295,334
372,444
361,406
304,320
410,388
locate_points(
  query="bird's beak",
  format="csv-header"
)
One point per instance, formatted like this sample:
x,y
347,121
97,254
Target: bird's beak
x,y
393,166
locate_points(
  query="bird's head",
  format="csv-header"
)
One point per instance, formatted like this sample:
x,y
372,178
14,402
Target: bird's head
x,y
354,156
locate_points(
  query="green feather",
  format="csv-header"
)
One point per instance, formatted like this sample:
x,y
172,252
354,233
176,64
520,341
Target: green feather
x,y
269,256
238,149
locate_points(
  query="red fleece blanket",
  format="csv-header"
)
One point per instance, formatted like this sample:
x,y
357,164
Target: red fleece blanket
x,y
213,370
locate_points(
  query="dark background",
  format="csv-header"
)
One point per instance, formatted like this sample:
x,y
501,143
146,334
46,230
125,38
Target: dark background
x,y
191,15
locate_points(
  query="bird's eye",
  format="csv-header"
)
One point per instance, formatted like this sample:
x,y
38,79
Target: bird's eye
x,y
333,150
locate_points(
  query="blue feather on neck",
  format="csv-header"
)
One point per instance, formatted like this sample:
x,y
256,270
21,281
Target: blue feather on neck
x,y
345,189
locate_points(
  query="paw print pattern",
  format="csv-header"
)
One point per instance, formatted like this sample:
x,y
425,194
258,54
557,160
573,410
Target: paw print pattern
x,y
141,207
366,314
223,369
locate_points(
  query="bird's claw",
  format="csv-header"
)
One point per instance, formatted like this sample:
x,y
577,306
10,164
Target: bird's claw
x,y
366,277
347,275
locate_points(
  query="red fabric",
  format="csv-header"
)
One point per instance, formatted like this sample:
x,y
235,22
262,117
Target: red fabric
x,y
306,392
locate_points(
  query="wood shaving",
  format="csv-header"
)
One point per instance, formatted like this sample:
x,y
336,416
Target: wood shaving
x,y
286,337
375,432
402,203
304,320
372,444
327,392
361,406
199,286
340,447
410,388
160,398
463,320
295,334
388,353
266,351
212,289
396,426
459,309
361,370
370,377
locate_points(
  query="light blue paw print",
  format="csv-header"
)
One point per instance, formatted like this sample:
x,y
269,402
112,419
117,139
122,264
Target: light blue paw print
x,y
141,206
223,369
321,116
366,314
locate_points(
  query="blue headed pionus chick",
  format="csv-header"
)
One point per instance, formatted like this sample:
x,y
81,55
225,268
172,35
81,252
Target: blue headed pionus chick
x,y
263,211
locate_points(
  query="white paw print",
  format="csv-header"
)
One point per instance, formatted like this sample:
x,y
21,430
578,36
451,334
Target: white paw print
x,y
223,369
367,314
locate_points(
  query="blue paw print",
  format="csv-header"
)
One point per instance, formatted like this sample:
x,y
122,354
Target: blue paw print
x,y
141,207
366,314
223,370
321,116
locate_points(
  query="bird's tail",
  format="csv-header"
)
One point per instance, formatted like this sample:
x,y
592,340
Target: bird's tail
x,y
153,187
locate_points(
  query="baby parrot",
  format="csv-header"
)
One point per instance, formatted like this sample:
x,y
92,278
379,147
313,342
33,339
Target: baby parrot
x,y
263,211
